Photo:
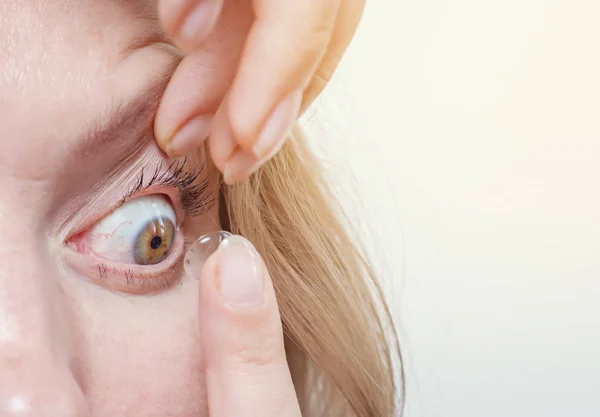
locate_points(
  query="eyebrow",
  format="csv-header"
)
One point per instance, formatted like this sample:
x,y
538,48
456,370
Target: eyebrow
x,y
126,121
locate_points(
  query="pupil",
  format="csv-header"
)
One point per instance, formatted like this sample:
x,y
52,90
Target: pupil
x,y
156,242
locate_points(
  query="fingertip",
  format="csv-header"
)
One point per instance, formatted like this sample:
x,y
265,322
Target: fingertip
x,y
277,127
241,274
165,122
240,166
222,141
187,107
242,335
232,272
162,132
245,125
189,137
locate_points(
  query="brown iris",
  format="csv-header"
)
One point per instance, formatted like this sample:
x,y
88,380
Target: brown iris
x,y
154,242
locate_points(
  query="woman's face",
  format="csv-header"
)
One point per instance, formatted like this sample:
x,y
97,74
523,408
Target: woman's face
x,y
96,315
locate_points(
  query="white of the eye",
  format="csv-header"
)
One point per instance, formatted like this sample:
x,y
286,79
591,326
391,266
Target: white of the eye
x,y
113,237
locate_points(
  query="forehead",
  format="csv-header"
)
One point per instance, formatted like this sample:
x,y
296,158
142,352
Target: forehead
x,y
44,41
64,64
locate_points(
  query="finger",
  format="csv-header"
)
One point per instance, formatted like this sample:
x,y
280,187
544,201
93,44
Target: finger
x,y
186,110
189,22
246,368
347,22
200,84
237,163
283,50
221,141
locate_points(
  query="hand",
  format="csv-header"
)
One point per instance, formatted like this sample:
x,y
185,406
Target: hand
x,y
276,56
247,373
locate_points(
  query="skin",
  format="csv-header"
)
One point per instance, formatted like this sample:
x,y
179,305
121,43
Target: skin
x,y
273,63
72,341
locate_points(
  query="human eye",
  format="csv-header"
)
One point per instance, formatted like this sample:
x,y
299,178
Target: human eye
x,y
138,246
140,232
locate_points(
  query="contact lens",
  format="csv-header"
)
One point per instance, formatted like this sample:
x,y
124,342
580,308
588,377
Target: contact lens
x,y
201,250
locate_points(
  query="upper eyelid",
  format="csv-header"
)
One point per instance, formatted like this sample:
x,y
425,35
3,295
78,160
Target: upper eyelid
x,y
183,183
194,195
137,190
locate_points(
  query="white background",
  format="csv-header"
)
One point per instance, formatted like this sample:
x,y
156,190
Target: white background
x,y
471,131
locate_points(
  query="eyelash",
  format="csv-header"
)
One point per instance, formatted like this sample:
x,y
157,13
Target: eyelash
x,y
128,279
142,280
194,198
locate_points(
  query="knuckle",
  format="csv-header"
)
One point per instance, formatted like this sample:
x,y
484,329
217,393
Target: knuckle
x,y
310,42
308,48
312,34
319,32
319,81
325,73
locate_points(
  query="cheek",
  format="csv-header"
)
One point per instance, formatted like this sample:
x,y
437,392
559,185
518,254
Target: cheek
x,y
143,356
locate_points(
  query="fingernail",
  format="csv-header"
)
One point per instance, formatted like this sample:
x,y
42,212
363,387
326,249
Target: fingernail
x,y
240,166
240,272
200,21
191,136
201,250
278,126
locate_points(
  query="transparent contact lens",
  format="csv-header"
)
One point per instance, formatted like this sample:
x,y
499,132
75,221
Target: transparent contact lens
x,y
201,250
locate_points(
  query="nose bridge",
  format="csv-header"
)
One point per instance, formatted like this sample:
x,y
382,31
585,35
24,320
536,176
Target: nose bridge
x,y
35,340
27,283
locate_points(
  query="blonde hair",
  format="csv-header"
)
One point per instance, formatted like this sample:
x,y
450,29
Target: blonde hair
x,y
340,341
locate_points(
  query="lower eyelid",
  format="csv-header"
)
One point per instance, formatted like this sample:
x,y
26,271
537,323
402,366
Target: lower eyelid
x,y
132,279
